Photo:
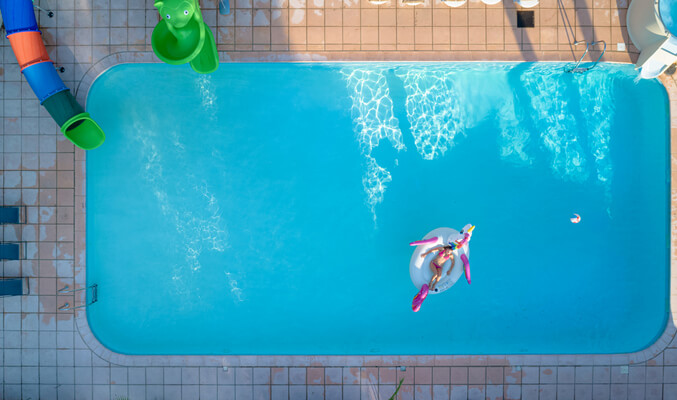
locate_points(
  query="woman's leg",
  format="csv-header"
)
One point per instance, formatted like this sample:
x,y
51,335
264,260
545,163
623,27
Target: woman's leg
x,y
435,278
434,268
432,281
439,276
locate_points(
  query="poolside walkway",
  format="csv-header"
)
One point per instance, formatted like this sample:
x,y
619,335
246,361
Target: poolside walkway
x,y
51,354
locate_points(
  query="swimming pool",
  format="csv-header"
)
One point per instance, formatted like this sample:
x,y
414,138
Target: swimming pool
x,y
266,208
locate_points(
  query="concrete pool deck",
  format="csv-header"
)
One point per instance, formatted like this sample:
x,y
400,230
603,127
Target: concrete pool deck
x,y
51,354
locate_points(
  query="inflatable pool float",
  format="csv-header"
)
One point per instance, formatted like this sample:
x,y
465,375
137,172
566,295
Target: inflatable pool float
x,y
420,296
419,268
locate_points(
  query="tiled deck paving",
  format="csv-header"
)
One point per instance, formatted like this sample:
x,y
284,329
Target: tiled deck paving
x,y
48,354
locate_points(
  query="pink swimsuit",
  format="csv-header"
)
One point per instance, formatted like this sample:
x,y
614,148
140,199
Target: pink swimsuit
x,y
441,254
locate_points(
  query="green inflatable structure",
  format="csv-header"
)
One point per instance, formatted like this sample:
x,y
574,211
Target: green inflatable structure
x,y
182,36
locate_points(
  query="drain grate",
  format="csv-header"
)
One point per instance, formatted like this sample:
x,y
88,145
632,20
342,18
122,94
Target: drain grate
x,y
525,19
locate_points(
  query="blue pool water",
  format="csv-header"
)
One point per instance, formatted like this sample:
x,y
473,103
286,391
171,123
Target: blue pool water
x,y
266,208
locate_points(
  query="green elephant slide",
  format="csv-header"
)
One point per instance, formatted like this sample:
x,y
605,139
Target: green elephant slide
x,y
182,36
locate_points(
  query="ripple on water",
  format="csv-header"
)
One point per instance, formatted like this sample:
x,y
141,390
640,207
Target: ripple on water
x,y
200,227
373,120
207,94
551,109
595,89
442,103
435,109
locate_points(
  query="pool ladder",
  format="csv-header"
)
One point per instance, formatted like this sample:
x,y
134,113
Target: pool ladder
x,y
67,289
577,68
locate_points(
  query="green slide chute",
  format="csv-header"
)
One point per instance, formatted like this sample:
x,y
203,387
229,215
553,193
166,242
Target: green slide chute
x,y
182,36
75,123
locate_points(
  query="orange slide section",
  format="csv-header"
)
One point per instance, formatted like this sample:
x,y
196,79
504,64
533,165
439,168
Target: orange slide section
x,y
28,48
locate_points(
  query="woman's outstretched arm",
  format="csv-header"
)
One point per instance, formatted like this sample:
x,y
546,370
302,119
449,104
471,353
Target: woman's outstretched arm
x,y
430,251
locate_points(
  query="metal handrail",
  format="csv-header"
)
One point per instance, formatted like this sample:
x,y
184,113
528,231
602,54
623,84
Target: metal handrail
x,y
67,289
577,68
49,13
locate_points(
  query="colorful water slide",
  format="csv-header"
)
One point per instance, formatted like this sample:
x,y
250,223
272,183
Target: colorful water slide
x,y
182,36
30,52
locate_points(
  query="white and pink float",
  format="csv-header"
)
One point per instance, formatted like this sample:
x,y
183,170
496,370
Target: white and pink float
x,y
419,267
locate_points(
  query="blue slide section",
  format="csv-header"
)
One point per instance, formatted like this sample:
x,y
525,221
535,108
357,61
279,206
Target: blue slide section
x,y
44,80
18,16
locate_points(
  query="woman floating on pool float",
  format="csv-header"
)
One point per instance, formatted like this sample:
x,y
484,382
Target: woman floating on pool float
x,y
436,255
444,253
